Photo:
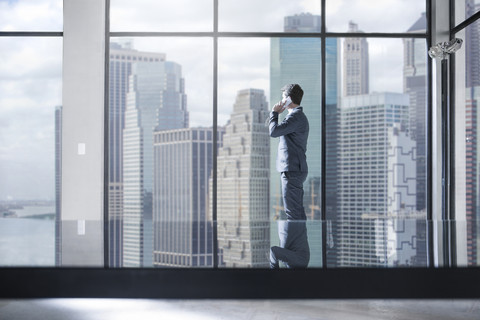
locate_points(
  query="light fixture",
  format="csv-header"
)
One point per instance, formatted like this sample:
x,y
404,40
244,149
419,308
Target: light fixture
x,y
443,49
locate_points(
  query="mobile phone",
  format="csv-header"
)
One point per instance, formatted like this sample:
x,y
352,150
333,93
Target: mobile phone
x,y
287,101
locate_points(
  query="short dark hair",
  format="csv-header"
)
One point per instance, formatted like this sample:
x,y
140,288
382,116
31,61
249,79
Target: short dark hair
x,y
294,91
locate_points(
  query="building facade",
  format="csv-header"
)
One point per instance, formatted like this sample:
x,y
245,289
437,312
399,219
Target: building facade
x,y
376,182
243,184
182,225
355,64
155,101
122,57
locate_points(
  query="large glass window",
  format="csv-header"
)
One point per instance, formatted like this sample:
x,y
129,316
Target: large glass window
x,y
269,16
376,175
30,109
160,152
375,145
162,15
31,15
373,16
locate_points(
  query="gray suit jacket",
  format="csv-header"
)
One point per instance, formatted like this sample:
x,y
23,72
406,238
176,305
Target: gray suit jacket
x,y
293,133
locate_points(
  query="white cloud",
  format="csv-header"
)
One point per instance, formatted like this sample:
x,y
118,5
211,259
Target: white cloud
x,y
373,15
146,15
31,15
30,88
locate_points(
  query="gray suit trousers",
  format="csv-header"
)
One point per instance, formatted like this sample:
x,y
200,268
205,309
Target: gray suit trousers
x,y
292,192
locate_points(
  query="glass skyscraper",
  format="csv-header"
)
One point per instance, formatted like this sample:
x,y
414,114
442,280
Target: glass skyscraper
x,y
122,57
155,101
298,60
182,225
376,182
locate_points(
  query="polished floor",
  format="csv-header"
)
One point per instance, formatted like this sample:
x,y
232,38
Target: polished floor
x,y
144,309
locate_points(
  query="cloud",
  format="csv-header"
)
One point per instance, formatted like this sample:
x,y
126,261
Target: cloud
x,y
30,88
31,15
373,15
146,15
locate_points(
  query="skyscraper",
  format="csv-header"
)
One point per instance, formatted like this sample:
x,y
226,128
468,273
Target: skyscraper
x,y
472,46
182,225
298,60
58,185
243,184
355,63
471,171
122,56
155,101
472,95
376,182
415,85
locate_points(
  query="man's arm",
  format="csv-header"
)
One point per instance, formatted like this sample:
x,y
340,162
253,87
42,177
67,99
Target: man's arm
x,y
288,125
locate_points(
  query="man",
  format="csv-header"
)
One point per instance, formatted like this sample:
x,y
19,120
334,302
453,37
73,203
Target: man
x,y
292,164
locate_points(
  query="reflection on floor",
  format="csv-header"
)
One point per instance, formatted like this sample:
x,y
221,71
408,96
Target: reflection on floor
x,y
144,309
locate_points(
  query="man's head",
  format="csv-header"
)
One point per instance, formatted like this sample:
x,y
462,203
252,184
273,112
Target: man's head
x,y
294,91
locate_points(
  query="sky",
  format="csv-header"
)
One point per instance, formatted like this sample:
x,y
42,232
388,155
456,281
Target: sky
x,y
31,68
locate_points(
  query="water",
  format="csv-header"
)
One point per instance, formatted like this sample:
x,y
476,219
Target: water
x,y
27,242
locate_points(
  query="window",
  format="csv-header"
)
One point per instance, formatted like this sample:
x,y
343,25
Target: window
x,y
242,200
30,109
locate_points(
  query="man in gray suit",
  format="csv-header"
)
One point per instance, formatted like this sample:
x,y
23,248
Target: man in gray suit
x,y
294,250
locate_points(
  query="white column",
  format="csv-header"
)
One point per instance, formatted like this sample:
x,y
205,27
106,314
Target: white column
x,y
83,132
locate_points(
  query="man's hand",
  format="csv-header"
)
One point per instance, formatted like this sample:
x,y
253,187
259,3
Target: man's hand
x,y
279,107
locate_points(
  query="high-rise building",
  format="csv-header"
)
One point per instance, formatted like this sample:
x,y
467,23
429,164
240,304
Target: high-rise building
x,y
472,95
298,60
58,186
376,182
182,225
472,169
122,56
155,101
415,85
472,46
243,184
355,64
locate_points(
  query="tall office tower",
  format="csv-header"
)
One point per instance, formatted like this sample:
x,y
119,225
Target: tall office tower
x,y
298,60
472,46
376,182
182,225
415,85
243,184
58,186
472,95
471,172
355,64
155,101
122,56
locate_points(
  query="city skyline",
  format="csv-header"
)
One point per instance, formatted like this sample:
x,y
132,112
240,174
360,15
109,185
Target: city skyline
x,y
413,76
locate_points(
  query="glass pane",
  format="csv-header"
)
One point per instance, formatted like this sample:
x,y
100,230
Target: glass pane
x,y
251,212
467,95
30,98
376,173
31,15
160,151
464,9
376,16
269,16
161,15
